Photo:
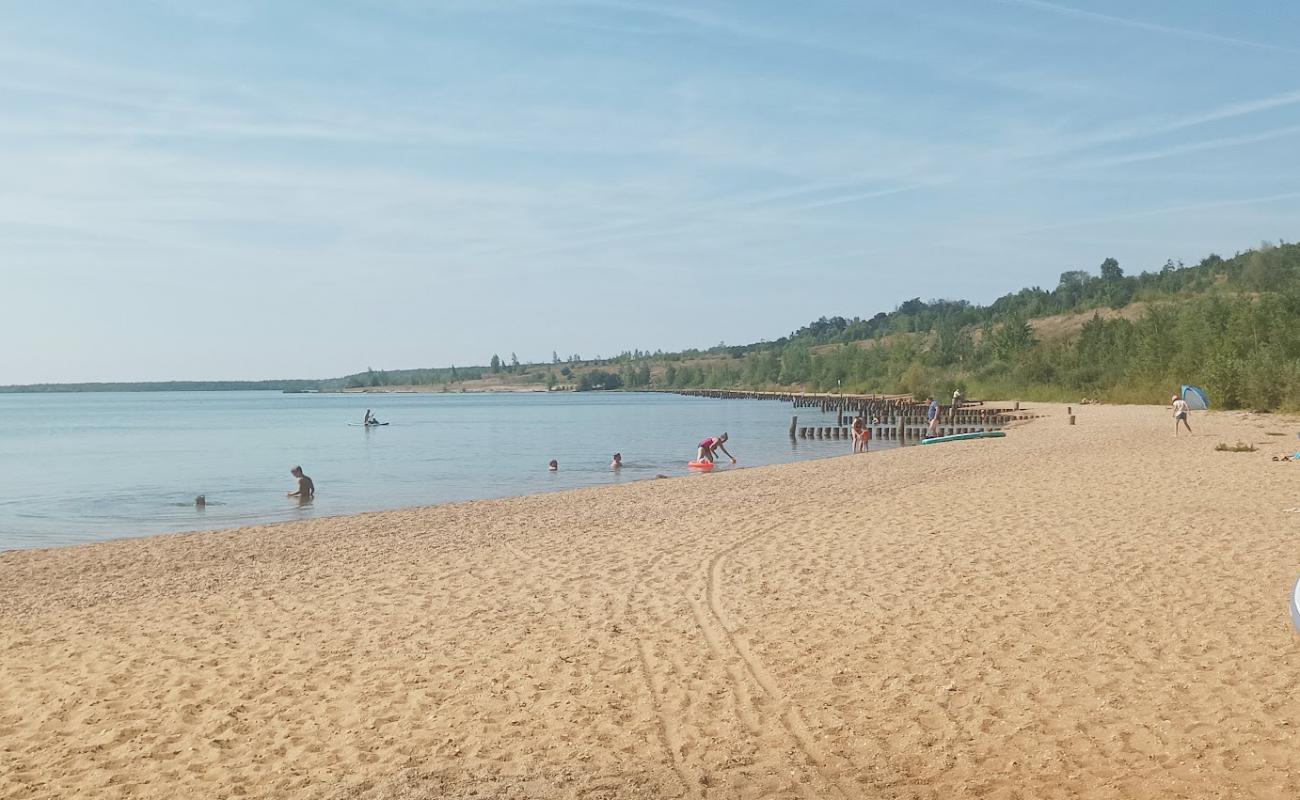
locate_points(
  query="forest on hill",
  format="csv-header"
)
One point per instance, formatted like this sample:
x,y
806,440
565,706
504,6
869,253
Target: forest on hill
x,y
1225,324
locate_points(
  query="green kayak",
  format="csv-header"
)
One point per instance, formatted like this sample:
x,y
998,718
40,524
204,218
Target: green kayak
x,y
957,437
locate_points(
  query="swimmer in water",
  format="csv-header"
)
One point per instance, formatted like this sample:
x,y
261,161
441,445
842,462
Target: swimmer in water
x,y
306,488
617,463
554,466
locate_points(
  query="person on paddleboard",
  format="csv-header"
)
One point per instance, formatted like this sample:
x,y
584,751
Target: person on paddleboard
x,y
712,444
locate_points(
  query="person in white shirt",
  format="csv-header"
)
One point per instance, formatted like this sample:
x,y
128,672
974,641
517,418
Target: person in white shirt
x,y
1181,412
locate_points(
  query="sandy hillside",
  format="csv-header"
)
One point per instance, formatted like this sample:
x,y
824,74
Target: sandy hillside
x,y
1094,611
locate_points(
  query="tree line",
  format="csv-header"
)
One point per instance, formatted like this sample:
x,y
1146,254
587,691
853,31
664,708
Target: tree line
x,y
1224,324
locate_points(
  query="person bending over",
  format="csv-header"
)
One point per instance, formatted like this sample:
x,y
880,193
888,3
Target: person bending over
x,y
711,445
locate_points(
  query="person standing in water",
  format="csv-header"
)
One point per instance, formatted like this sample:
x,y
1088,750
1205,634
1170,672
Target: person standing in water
x,y
617,463
712,444
554,466
306,488
859,436
1181,413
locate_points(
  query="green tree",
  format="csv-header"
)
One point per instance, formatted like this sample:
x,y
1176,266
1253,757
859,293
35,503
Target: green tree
x,y
1012,338
596,380
495,364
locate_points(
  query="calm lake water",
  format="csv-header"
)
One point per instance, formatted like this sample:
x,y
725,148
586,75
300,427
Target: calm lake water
x,y
84,467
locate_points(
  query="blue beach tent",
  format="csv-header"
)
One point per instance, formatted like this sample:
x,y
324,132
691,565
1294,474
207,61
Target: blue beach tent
x,y
1295,606
1196,398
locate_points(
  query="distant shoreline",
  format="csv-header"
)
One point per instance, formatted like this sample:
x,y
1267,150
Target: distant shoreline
x,y
159,388
294,385
500,389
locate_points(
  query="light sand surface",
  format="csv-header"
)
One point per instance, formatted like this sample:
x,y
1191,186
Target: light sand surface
x,y
1092,611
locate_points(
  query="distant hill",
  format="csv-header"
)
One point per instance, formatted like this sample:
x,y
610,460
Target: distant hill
x,y
1228,325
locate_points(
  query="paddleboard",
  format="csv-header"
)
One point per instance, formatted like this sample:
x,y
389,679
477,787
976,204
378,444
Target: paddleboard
x,y
1295,606
364,425
958,437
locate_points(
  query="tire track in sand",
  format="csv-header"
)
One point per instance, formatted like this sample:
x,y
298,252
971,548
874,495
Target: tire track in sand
x,y
789,713
654,678
669,733
670,736
712,619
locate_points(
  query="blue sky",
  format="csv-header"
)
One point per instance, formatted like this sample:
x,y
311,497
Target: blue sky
x,y
303,189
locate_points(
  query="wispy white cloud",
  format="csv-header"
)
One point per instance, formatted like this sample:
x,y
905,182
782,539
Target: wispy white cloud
x,y
1162,211
1135,24
1171,151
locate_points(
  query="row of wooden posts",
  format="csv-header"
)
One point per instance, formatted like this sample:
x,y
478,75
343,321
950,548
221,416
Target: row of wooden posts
x,y
848,406
903,430
888,417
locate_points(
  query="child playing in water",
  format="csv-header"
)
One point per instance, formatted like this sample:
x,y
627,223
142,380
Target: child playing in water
x,y
711,445
617,463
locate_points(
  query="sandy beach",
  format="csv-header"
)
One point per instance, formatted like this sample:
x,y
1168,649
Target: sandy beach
x,y
1095,611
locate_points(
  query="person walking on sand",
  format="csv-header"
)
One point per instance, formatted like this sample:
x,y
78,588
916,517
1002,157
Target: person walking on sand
x,y
932,414
859,436
306,488
1181,413
712,444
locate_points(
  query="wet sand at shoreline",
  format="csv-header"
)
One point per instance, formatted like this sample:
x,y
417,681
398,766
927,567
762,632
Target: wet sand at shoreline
x,y
1092,611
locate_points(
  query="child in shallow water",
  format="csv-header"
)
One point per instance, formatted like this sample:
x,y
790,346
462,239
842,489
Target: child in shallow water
x,y
711,445
859,435
617,463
